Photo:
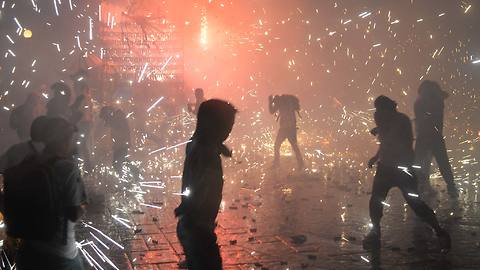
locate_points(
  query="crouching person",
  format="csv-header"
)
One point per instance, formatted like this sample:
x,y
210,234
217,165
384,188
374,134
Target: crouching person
x,y
44,197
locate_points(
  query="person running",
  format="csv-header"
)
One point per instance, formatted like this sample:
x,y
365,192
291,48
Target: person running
x,y
202,185
394,160
429,115
286,106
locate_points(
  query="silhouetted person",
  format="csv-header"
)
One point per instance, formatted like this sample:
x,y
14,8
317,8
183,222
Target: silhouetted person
x,y
18,152
117,121
394,169
58,251
13,157
59,104
202,185
199,98
82,118
429,108
286,106
22,117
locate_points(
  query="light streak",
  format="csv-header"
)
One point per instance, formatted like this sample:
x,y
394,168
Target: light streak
x,y
177,145
143,72
150,205
155,104
413,195
10,39
100,241
90,28
365,259
121,221
476,61
104,235
56,7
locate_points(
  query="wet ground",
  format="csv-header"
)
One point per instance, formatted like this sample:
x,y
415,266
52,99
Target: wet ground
x,y
282,219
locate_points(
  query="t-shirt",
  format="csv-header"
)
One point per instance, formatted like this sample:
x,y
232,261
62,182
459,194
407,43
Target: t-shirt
x,y
396,142
71,189
18,152
203,176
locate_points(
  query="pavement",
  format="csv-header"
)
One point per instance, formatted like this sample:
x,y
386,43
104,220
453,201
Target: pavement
x,y
283,219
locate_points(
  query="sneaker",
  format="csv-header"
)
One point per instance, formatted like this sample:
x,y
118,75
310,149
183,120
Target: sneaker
x,y
372,240
444,240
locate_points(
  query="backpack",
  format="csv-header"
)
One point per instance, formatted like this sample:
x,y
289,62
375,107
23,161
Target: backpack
x,y
31,200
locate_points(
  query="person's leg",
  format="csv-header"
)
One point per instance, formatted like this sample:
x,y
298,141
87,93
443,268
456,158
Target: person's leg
x,y
281,136
292,138
381,186
409,186
423,158
209,251
441,156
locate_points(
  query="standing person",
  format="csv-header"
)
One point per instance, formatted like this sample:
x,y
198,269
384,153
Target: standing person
x,y
22,117
286,106
55,247
59,105
394,169
202,185
199,98
429,108
82,118
13,157
117,121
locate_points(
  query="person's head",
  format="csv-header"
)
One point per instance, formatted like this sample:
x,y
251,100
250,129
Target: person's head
x,y
385,108
215,120
431,89
106,113
199,94
61,90
38,130
59,139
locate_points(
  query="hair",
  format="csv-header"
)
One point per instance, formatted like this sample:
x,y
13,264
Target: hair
x,y
59,132
199,92
431,89
38,130
384,103
106,112
213,118
60,87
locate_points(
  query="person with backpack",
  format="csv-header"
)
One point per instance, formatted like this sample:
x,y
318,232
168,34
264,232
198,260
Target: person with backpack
x,y
22,117
202,185
44,198
394,161
285,107
429,110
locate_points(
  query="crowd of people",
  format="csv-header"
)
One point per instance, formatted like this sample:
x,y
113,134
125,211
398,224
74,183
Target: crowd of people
x,y
42,183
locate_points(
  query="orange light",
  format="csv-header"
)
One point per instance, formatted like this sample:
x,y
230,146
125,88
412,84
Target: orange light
x,y
27,33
